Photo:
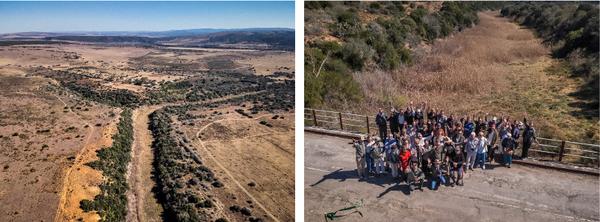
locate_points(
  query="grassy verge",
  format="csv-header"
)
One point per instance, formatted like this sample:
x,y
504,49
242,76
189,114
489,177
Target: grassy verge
x,y
111,203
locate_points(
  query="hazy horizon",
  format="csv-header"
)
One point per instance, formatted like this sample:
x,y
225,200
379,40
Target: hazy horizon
x,y
142,16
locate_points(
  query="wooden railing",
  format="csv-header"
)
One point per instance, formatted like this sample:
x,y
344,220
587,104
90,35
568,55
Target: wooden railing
x,y
585,154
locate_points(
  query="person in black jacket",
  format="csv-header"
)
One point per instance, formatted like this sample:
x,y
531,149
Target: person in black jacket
x,y
393,119
528,138
381,121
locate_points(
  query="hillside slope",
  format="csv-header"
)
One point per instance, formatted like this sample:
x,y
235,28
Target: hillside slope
x,y
496,67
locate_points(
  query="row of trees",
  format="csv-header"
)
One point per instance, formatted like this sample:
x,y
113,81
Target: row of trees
x,y
382,43
111,203
176,169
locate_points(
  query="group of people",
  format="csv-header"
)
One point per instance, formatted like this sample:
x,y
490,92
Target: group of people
x,y
428,145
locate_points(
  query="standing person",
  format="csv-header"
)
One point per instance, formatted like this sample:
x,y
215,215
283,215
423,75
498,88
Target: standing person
x,y
449,150
387,150
431,115
516,132
481,151
401,121
468,126
404,159
377,155
395,160
457,168
409,115
381,122
459,140
359,148
528,138
370,162
393,120
508,146
416,176
492,138
471,148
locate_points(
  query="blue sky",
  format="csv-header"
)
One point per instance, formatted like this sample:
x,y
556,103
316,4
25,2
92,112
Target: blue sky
x,y
142,16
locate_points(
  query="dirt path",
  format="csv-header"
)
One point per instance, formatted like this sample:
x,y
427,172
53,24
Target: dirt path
x,y
142,204
227,155
81,181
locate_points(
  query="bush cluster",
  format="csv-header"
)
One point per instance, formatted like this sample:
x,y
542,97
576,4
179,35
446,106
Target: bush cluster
x,y
380,43
177,168
111,203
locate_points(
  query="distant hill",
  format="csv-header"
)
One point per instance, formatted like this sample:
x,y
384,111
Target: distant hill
x,y
248,38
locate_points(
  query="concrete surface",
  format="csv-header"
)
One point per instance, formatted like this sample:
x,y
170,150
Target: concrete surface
x,y
520,193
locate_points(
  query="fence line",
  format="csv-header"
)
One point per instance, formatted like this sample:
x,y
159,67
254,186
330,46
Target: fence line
x,y
567,151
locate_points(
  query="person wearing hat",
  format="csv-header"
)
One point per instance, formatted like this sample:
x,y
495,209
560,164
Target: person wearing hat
x,y
377,155
508,146
471,148
359,148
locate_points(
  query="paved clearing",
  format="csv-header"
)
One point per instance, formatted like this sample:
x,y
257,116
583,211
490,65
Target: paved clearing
x,y
524,193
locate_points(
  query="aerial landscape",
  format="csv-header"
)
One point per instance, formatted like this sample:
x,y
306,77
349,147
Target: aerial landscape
x,y
451,111
192,124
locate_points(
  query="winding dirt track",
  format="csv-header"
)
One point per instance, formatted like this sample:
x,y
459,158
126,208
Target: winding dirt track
x,y
80,181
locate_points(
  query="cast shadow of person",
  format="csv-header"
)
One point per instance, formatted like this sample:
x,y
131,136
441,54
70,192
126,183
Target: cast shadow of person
x,y
342,175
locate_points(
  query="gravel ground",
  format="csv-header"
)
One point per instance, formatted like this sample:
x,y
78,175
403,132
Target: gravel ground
x,y
520,193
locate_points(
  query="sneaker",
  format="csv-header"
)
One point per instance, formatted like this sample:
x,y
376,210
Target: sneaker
x,y
483,167
508,166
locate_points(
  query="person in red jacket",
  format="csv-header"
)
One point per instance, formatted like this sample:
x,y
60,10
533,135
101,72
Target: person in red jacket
x,y
405,159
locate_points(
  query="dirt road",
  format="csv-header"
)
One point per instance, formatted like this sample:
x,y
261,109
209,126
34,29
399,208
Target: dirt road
x,y
142,204
524,193
268,165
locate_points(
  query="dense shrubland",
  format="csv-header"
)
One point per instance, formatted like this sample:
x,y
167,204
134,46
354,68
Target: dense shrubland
x,y
177,169
347,37
571,29
111,203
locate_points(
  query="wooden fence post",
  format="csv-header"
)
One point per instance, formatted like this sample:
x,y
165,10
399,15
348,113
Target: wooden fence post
x,y
368,130
561,153
315,117
341,125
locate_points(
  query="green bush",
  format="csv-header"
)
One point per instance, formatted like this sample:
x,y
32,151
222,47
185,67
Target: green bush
x,y
111,203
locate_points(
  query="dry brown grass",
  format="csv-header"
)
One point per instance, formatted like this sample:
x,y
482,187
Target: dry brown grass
x,y
495,67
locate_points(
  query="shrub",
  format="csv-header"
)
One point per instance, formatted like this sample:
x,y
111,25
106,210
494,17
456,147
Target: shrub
x,y
111,203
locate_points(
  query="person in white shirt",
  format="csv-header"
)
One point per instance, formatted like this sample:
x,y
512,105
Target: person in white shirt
x,y
481,151
471,148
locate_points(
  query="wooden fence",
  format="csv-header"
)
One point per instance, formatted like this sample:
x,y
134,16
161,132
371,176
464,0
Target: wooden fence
x,y
548,149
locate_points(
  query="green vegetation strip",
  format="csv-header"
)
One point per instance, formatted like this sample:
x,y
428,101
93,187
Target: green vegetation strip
x,y
178,174
111,203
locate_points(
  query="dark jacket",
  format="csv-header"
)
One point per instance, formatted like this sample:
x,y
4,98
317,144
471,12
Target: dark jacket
x,y
393,119
380,120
